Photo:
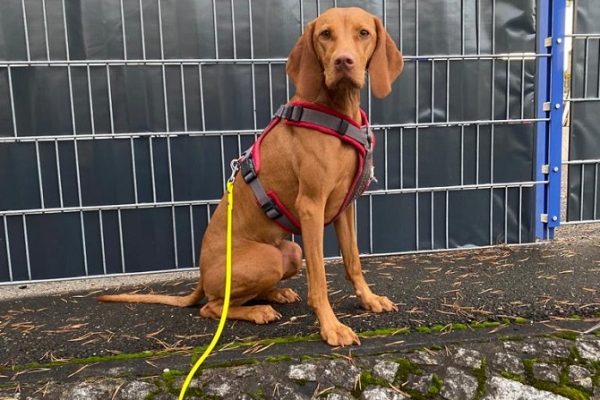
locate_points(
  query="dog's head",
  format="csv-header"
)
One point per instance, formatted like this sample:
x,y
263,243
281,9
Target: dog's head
x,y
338,48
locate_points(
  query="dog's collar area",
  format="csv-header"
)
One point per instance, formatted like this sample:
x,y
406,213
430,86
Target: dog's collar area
x,y
299,112
321,119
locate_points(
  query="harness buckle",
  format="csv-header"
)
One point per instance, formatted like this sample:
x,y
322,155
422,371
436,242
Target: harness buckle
x,y
293,113
343,127
271,210
248,170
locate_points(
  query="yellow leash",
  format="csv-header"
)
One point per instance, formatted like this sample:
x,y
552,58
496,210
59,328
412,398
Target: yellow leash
x,y
228,246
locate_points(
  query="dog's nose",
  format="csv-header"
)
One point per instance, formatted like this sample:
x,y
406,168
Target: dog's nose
x,y
344,61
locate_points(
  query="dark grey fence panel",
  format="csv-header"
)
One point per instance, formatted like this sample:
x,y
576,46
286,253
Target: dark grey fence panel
x,y
584,142
118,119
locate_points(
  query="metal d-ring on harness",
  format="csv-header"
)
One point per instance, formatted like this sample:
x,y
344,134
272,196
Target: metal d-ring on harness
x,y
321,119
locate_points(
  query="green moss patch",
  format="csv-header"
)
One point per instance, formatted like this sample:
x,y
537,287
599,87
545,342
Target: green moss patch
x,y
384,332
405,368
436,385
480,375
563,388
566,334
512,376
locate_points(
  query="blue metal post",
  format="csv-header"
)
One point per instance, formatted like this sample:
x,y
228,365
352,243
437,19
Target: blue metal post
x,y
549,104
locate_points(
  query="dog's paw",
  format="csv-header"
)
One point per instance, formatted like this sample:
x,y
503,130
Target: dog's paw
x,y
263,315
378,304
339,335
282,296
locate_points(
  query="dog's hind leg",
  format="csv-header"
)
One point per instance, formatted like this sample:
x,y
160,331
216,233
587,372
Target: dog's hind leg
x,y
292,262
257,268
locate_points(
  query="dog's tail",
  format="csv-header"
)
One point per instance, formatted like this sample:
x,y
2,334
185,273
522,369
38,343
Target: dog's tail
x,y
178,301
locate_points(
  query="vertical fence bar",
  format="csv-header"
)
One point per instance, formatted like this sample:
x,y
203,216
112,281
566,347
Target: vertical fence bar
x,y
214,9
152,171
598,81
400,26
506,215
581,192
233,30
508,89
417,247
253,68
492,118
192,236
385,160
432,216
102,247
123,31
68,54
448,90
595,190
462,155
11,94
8,256
433,90
520,214
142,33
523,88
89,83
39,171
549,100
26,242
110,102
121,243
26,31
201,90
58,174
447,219
46,30
183,97
133,170
586,53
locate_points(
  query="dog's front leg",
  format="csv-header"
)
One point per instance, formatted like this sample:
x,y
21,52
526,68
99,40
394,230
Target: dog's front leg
x,y
311,215
346,234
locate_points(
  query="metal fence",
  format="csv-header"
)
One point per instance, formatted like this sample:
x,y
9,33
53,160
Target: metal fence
x,y
584,98
118,119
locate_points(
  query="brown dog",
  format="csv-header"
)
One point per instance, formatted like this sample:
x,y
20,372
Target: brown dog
x,y
312,174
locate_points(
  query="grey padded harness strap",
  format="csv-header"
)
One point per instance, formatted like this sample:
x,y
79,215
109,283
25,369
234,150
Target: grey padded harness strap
x,y
298,113
267,204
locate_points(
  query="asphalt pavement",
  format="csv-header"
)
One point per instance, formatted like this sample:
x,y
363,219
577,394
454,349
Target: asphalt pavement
x,y
536,283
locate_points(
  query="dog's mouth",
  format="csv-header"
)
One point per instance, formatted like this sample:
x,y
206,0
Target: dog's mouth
x,y
345,79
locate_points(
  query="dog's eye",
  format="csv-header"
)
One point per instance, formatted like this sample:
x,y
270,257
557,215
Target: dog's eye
x,y
326,34
364,33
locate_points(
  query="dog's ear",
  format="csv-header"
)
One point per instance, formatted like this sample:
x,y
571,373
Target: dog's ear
x,y
303,65
386,63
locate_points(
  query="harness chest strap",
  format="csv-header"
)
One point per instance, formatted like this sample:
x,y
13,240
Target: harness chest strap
x,y
312,117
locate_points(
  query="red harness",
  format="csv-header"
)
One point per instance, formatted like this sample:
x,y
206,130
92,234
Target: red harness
x,y
321,119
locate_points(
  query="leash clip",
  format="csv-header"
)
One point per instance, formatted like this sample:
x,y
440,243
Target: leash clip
x,y
235,166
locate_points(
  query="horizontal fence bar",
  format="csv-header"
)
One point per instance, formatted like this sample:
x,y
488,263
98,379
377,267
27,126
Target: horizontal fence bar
x,y
579,162
477,186
583,35
111,207
580,222
422,125
582,99
133,206
247,132
249,61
